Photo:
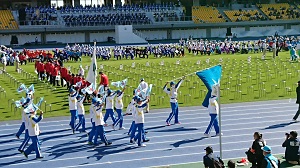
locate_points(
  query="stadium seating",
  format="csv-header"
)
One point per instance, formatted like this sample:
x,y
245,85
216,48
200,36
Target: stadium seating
x,y
206,14
279,11
7,20
244,15
41,15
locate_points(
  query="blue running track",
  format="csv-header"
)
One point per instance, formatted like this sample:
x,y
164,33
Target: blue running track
x,y
175,144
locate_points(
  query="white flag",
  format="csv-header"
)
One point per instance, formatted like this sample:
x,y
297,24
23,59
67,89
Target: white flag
x,y
92,74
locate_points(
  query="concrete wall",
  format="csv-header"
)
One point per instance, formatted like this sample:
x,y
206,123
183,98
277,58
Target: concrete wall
x,y
218,32
66,37
101,36
155,34
125,35
195,33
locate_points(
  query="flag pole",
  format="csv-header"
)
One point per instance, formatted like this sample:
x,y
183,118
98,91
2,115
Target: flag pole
x,y
220,124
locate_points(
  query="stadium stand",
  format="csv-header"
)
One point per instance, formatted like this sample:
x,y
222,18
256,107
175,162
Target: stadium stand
x,y
41,15
7,20
244,15
279,11
206,14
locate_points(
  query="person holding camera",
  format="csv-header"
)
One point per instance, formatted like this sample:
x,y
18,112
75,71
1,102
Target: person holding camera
x,y
291,144
255,153
297,102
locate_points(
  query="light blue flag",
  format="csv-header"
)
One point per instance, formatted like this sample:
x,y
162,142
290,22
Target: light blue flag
x,y
139,92
101,90
210,77
31,108
149,90
40,102
121,83
22,88
30,89
20,102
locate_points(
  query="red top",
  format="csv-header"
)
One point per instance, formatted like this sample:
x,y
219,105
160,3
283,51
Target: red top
x,y
104,80
54,71
63,72
40,67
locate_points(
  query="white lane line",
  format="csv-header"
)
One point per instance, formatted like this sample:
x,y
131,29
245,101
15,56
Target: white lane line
x,y
168,111
176,135
181,115
234,119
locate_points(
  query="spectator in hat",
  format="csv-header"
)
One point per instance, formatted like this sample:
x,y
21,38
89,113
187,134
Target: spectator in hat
x,y
297,101
269,160
209,157
291,145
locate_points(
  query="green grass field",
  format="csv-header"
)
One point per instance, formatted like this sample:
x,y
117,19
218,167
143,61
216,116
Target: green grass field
x,y
241,81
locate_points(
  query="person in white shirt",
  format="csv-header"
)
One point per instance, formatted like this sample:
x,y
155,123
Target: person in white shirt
x,y
34,131
4,62
144,87
213,109
139,119
99,122
81,71
264,49
119,106
29,98
132,109
81,113
298,48
73,108
109,104
173,93
92,113
274,49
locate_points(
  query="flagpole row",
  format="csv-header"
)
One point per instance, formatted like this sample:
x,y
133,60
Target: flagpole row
x,y
183,76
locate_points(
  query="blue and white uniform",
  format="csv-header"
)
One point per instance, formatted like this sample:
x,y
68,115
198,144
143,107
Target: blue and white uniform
x,y
172,92
29,100
213,109
99,122
81,113
92,113
119,107
73,107
34,131
109,104
139,120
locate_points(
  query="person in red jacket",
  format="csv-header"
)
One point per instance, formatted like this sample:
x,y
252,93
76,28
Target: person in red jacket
x,y
104,80
47,69
63,75
54,74
51,67
41,70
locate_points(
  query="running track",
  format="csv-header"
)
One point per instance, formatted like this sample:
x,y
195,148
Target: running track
x,y
168,145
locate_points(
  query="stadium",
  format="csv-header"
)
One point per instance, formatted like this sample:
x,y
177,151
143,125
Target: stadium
x,y
149,83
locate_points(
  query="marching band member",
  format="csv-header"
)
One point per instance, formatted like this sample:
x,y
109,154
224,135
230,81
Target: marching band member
x,y
92,114
81,112
99,122
109,104
139,122
172,92
144,87
213,109
73,108
119,106
34,131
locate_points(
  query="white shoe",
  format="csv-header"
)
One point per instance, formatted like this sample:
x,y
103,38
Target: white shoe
x,y
219,134
295,120
207,135
143,145
121,128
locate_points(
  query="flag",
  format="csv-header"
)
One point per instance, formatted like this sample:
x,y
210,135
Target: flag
x,y
30,89
40,102
89,90
31,108
149,90
78,84
20,102
21,88
139,92
92,74
121,84
101,90
211,78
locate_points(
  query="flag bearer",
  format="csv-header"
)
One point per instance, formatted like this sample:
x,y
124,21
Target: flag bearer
x,y
144,87
73,108
109,104
29,99
81,112
139,121
131,107
99,122
213,108
34,131
119,106
172,92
